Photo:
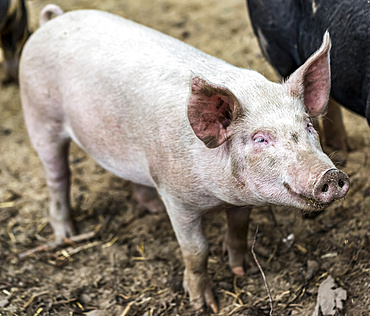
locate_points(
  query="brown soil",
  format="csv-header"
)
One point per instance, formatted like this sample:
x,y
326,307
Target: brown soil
x,y
133,265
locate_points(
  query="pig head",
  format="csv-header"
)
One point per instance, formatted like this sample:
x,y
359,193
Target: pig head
x,y
269,153
164,115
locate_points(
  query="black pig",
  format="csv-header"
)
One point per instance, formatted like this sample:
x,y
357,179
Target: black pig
x,y
290,31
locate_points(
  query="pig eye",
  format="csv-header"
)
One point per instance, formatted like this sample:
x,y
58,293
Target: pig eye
x,y
310,127
260,140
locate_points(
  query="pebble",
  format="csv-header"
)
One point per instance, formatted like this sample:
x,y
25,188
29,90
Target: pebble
x,y
85,298
4,302
312,268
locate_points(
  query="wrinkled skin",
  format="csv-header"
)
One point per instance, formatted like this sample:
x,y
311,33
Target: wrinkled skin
x,y
162,114
290,31
13,34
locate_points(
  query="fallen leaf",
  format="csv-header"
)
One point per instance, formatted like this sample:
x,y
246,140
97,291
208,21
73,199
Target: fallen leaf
x,y
330,298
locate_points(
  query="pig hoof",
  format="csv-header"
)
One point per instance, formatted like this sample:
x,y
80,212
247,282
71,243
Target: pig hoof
x,y
198,304
236,259
198,299
238,271
214,308
63,230
210,300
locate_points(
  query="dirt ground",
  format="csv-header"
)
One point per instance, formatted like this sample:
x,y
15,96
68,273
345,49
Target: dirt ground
x,y
133,265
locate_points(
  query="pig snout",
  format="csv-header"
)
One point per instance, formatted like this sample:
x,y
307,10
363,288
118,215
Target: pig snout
x,y
332,185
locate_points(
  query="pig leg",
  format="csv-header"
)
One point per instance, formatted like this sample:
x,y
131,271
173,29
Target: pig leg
x,y
187,225
335,133
52,149
235,242
54,157
148,198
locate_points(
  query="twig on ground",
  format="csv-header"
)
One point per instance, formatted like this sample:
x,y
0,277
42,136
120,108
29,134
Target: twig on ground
x,y
70,251
236,298
33,297
52,244
263,274
127,308
61,302
238,309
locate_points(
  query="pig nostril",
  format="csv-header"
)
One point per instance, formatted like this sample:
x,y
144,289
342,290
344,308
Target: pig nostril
x,y
341,183
325,188
332,185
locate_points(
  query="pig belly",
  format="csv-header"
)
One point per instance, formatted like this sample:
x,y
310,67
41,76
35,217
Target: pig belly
x,y
114,153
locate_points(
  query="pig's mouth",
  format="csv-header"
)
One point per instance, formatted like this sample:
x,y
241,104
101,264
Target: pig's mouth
x,y
310,202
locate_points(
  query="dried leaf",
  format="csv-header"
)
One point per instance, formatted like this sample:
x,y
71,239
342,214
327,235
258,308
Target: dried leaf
x,y
330,298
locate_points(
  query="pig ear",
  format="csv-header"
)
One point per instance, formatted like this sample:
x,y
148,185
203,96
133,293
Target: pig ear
x,y
311,81
211,110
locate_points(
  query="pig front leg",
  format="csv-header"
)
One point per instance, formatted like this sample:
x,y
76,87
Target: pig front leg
x,y
187,225
235,243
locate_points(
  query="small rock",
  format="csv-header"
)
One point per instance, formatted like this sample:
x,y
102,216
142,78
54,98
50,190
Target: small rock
x,y
312,268
4,302
85,298
289,241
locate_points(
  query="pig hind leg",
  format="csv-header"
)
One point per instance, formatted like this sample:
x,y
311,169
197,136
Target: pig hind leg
x,y
53,149
55,161
235,243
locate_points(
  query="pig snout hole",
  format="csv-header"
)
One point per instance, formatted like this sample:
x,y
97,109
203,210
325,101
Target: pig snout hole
x,y
332,185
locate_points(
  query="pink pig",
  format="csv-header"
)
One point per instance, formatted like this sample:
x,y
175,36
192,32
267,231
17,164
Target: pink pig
x,y
202,133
